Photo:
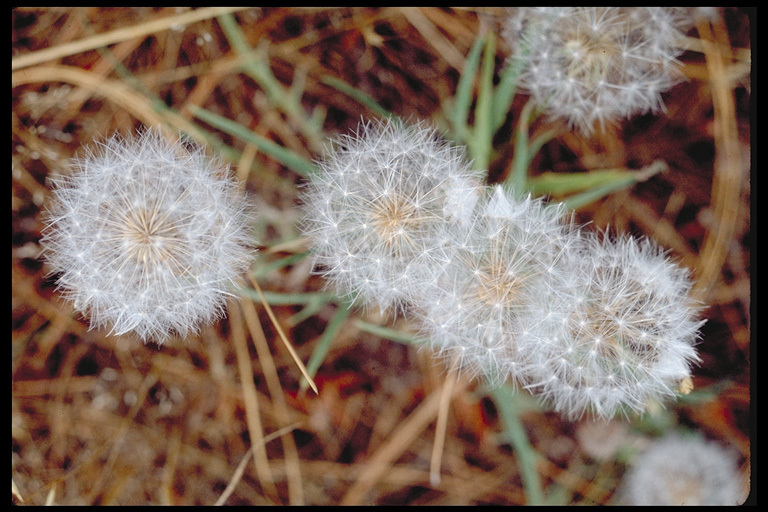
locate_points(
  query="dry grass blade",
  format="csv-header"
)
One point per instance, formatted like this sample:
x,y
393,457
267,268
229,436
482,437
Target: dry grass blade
x,y
729,171
283,337
118,35
251,402
442,423
434,37
102,420
380,462
240,470
117,92
295,492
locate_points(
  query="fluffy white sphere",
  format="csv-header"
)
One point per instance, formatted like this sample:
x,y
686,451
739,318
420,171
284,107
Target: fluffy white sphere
x,y
619,336
593,65
147,236
375,210
678,470
478,306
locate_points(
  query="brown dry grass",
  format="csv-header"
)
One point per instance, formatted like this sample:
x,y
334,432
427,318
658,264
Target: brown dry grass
x,y
100,420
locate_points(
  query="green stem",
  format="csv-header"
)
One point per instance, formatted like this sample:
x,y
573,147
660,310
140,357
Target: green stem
x,y
505,399
481,142
462,101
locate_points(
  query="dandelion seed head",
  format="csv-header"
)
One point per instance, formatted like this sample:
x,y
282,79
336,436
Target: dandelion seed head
x,y
147,236
485,292
683,470
381,195
595,65
628,344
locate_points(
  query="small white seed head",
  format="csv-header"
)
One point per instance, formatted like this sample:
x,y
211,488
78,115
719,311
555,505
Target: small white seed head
x,y
478,306
594,65
684,470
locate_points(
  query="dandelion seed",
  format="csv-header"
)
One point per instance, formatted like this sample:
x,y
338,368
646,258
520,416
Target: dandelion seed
x,y
147,236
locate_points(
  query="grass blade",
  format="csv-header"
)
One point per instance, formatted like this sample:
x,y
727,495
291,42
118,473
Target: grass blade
x,y
324,344
505,399
464,92
358,96
283,155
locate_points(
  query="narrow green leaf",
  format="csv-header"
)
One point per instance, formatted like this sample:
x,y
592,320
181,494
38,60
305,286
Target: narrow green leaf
x,y
562,183
254,65
296,163
536,144
508,80
517,180
505,91
480,144
590,186
576,201
265,269
358,96
459,113
320,351
291,299
506,399
232,31
390,334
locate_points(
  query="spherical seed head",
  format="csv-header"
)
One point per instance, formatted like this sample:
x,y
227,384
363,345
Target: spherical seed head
x,y
683,470
147,236
619,337
593,65
376,205
477,308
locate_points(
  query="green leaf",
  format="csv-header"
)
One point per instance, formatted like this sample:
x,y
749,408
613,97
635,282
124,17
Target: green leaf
x,y
459,113
295,162
390,334
324,344
506,401
265,269
481,141
505,91
291,299
358,96
587,187
517,180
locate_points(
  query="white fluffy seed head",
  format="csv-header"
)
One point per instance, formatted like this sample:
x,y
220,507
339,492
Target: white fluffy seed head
x,y
476,308
147,236
619,337
684,470
375,209
593,65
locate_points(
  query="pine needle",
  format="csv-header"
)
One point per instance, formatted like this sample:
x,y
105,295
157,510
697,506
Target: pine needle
x,y
442,423
250,400
283,337
240,470
116,36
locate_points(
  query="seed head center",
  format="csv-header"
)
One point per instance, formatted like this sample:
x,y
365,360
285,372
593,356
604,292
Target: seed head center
x,y
394,220
149,238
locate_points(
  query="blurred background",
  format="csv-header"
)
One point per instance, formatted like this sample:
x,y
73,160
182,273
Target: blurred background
x,y
98,419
